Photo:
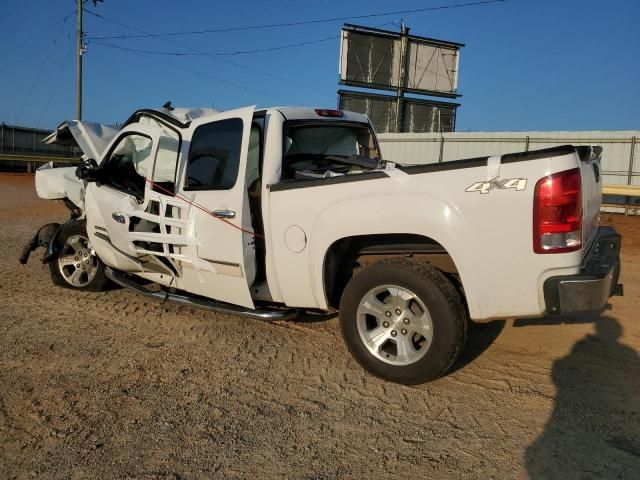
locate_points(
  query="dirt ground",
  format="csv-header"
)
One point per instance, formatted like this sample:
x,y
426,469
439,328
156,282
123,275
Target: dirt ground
x,y
109,386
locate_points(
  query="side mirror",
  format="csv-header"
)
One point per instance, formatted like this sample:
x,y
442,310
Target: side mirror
x,y
89,171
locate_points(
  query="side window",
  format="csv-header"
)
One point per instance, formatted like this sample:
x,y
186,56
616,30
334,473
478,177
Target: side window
x,y
214,156
129,163
164,170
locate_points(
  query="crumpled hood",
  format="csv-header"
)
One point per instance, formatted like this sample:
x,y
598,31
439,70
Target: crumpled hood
x,y
92,138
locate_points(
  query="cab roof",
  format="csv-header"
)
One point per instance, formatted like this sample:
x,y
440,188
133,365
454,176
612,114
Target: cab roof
x,y
92,138
308,113
185,115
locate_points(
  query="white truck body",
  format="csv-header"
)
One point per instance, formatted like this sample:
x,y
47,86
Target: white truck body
x,y
473,219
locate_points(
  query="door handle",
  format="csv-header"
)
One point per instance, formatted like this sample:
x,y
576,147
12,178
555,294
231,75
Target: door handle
x,y
224,213
118,217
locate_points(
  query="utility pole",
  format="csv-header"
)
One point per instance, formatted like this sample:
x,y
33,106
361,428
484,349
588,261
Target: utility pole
x,y
79,64
404,62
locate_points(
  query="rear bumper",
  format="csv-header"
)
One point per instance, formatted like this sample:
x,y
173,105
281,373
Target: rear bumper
x,y
589,290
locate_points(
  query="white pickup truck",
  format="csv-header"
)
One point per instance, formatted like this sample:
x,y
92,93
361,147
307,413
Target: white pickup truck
x,y
265,212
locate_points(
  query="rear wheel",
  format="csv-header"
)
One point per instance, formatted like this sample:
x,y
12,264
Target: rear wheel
x,y
76,264
403,321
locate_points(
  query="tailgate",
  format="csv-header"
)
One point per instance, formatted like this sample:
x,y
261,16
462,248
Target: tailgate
x,y
591,192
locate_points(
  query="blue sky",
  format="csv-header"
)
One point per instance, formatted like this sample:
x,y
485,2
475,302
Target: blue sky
x,y
527,64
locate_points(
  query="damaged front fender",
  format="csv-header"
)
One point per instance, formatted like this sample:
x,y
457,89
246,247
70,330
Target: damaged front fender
x,y
60,183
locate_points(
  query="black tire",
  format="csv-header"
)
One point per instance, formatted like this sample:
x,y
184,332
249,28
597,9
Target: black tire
x,y
96,282
445,307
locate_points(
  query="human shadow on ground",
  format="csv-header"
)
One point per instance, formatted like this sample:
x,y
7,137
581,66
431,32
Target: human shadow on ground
x,y
570,319
594,429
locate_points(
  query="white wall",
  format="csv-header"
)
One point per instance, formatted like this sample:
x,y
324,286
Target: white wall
x,y
417,148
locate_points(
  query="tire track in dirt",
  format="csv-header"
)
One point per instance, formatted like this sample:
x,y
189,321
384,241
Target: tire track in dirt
x,y
104,385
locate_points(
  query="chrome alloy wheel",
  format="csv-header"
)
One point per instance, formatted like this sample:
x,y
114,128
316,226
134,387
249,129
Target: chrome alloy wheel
x,y
394,325
77,262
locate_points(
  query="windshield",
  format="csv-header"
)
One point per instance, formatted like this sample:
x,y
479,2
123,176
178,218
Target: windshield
x,y
331,140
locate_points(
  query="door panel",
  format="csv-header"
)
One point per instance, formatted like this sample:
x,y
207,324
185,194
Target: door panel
x,y
213,173
157,232
132,226
107,236
126,164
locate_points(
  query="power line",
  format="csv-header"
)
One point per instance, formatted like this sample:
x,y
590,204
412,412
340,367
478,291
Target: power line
x,y
304,22
238,52
56,83
218,54
36,79
211,77
28,17
223,60
40,33
191,70
281,47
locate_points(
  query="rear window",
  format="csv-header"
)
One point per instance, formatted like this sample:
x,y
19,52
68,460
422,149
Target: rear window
x,y
321,150
345,140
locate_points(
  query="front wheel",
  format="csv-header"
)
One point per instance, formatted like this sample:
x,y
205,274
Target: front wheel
x,y
403,321
76,264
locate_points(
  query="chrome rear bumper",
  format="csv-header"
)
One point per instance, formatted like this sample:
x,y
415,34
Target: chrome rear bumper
x,y
589,290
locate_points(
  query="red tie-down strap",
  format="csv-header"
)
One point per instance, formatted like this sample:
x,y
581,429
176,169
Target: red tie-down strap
x,y
200,207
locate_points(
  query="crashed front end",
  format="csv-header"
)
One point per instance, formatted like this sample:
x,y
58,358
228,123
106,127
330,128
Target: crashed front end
x,y
63,183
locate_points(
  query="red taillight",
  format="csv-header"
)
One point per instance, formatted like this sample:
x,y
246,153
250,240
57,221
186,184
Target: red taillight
x,y
323,112
557,213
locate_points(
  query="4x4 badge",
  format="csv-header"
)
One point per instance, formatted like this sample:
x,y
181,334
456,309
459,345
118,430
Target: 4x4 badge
x,y
518,184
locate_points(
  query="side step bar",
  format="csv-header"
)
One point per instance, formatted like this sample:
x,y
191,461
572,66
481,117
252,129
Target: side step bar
x,y
128,282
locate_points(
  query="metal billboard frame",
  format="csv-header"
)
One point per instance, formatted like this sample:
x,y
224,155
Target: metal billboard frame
x,y
451,106
399,37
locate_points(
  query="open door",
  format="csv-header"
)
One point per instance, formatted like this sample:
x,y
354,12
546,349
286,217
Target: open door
x,y
122,206
214,178
187,227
